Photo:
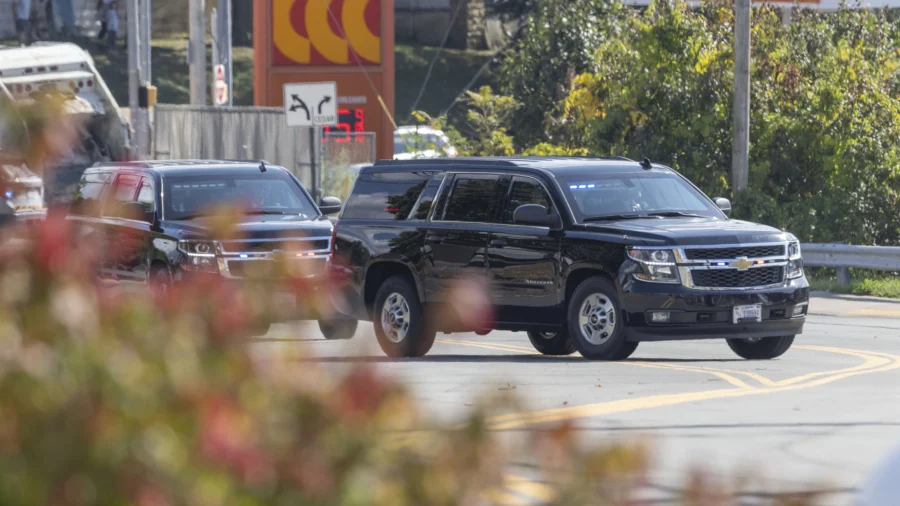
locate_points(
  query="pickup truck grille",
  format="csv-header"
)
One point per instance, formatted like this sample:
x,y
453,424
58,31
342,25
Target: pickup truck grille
x,y
731,278
776,250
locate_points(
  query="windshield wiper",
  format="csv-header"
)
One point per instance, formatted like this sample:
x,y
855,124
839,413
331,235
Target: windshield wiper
x,y
262,211
610,217
194,216
675,214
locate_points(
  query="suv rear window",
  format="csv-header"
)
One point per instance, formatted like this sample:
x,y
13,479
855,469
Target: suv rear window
x,y
385,196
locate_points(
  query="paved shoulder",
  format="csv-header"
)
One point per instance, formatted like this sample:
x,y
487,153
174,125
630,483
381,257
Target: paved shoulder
x,y
829,304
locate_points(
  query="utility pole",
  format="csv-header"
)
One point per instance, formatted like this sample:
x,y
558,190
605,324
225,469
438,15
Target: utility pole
x,y
222,43
146,52
197,51
740,152
134,78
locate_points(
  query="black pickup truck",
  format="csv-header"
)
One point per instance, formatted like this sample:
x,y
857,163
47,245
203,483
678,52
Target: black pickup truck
x,y
157,216
587,254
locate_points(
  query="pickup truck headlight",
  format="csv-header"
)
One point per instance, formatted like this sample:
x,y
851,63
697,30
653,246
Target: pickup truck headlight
x,y
657,265
795,261
200,256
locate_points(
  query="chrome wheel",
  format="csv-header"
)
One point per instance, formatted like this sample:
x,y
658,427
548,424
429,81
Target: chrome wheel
x,y
597,318
395,318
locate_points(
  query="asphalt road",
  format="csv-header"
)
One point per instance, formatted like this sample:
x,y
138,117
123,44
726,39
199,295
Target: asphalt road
x,y
821,416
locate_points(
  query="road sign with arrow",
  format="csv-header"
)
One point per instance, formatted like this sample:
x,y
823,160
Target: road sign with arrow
x,y
310,104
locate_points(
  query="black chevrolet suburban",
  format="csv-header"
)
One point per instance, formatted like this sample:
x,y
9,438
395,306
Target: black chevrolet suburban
x,y
156,219
587,254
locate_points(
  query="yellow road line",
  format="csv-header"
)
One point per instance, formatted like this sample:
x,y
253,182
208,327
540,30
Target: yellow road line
x,y
529,488
530,351
513,420
872,362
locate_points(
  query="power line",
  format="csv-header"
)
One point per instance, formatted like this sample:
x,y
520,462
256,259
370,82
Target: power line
x,y
343,34
459,4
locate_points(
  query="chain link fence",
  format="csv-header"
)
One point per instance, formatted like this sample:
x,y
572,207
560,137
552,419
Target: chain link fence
x,y
343,154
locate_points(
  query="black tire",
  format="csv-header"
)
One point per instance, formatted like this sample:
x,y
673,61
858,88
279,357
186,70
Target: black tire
x,y
762,349
338,328
604,322
552,343
407,334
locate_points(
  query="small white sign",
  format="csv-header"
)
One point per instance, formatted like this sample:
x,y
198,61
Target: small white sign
x,y
219,72
221,93
310,104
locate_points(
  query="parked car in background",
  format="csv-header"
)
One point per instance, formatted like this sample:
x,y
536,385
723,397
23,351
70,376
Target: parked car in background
x,y
160,214
67,71
414,141
21,191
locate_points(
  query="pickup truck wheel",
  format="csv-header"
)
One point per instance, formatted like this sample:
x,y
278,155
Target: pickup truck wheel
x,y
761,349
160,282
552,343
338,328
399,320
594,323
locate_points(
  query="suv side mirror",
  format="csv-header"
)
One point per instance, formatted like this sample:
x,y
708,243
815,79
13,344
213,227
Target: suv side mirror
x,y
724,204
535,214
135,211
330,205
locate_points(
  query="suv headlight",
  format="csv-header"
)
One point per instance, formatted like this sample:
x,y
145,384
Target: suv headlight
x,y
795,261
657,265
200,255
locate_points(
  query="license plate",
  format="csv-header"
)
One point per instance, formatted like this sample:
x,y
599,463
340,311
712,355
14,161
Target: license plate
x,y
743,314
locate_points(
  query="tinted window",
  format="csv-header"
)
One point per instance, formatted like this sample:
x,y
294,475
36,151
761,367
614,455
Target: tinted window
x,y
273,192
526,190
124,191
87,193
426,201
385,196
471,199
594,195
146,196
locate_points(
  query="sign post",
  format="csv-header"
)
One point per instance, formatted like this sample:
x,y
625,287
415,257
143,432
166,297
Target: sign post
x,y
311,105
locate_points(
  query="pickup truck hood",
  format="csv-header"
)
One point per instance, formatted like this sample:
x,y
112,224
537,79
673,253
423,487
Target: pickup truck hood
x,y
690,231
257,227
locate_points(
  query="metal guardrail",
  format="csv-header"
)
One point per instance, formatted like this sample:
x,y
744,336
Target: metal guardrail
x,y
880,258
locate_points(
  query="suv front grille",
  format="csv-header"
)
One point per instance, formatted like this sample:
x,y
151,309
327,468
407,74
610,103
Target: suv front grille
x,y
731,278
270,246
735,252
265,269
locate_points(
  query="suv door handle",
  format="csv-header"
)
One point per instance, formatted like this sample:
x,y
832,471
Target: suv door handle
x,y
498,243
434,239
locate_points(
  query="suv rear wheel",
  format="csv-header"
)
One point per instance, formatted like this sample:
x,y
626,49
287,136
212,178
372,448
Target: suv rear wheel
x,y
594,324
337,327
761,349
552,343
399,320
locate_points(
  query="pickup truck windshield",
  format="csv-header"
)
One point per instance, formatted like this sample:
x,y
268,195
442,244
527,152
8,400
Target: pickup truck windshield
x,y
189,197
650,194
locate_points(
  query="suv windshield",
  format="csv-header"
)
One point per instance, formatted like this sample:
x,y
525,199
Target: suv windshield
x,y
272,193
627,195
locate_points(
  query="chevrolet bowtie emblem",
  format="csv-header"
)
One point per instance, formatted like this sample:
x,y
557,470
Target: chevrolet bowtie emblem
x,y
742,264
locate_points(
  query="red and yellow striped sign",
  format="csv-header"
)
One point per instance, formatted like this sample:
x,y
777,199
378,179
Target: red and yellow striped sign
x,y
326,32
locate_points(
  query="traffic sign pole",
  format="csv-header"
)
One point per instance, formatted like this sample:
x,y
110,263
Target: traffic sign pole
x,y
312,105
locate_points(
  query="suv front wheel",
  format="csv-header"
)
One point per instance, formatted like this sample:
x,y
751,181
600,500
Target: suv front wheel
x,y
399,320
594,321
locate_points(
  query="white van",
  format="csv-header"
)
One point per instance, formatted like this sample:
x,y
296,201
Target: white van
x,y
66,69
